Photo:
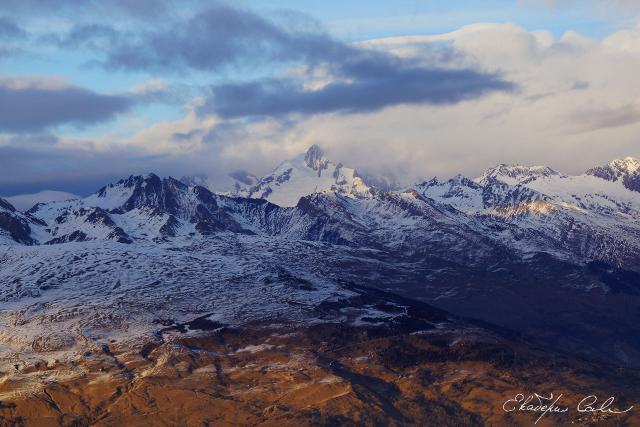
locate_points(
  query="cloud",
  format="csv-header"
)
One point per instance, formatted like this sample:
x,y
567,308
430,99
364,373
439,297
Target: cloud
x,y
569,102
30,166
359,79
31,163
394,87
87,36
160,91
137,8
29,105
601,117
218,37
9,30
586,115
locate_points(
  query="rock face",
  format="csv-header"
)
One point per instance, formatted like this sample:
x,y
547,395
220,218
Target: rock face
x,y
13,225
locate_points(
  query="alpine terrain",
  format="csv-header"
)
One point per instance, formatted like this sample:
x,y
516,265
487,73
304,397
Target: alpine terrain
x,y
313,296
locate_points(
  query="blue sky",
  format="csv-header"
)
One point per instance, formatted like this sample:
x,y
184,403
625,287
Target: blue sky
x,y
360,19
194,89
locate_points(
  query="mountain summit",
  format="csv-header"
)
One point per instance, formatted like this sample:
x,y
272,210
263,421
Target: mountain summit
x,y
515,174
314,158
307,173
626,170
616,169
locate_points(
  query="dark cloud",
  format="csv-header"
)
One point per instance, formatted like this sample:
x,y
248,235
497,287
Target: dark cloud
x,y
135,8
362,81
9,29
141,8
28,167
404,86
603,118
157,91
32,106
580,86
87,36
367,80
219,37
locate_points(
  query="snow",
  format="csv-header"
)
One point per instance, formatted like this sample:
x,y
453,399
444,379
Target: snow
x,y
255,348
298,258
589,193
99,289
25,201
628,165
306,174
514,174
113,197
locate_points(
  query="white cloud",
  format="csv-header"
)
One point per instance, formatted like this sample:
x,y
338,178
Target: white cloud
x,y
578,105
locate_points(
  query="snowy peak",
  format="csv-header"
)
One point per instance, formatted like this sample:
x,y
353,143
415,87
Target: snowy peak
x,y
143,207
628,165
515,174
148,191
156,193
626,170
314,159
304,175
616,169
485,196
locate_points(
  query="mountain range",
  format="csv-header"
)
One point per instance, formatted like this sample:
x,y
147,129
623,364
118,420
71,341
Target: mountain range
x,y
152,278
524,210
503,248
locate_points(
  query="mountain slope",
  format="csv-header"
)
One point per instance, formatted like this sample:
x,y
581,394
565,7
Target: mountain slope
x,y
14,226
535,209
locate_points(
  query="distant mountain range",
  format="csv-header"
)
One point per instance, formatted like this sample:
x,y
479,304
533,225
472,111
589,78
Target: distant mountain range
x,y
527,210
553,256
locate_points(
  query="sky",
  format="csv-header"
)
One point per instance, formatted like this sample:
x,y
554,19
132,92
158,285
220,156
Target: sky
x,y
95,90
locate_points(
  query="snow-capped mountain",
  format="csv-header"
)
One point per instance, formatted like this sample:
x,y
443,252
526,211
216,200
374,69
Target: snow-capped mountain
x,y
136,208
535,209
625,170
460,243
515,174
523,209
306,174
